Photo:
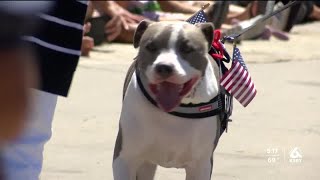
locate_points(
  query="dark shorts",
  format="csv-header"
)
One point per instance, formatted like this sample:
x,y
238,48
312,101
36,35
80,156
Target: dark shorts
x,y
57,67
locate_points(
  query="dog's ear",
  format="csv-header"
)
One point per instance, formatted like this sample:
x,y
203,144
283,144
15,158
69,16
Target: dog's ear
x,y
142,27
207,30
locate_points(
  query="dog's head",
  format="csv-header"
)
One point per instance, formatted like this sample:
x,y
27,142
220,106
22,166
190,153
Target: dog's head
x,y
173,57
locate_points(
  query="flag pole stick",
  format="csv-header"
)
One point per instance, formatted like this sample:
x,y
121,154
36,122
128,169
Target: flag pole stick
x,y
205,6
202,8
234,47
234,43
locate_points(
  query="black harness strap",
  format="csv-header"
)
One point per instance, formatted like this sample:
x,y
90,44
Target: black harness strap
x,y
215,110
223,101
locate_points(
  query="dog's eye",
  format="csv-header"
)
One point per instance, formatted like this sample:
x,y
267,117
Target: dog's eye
x,y
186,48
151,47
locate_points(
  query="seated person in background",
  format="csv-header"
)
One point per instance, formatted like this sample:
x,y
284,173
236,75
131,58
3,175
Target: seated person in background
x,y
223,14
126,16
308,11
247,14
302,12
131,12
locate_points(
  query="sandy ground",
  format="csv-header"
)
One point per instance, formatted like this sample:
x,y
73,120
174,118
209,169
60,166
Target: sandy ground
x,y
284,115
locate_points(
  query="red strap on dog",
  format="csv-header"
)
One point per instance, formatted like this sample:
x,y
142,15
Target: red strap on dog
x,y
217,45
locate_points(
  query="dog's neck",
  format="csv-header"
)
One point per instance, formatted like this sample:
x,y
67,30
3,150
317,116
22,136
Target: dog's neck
x,y
207,88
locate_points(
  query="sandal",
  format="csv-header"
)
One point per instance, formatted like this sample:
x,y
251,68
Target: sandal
x,y
278,34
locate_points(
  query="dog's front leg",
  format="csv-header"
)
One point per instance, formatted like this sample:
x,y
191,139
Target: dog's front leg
x,y
200,170
124,169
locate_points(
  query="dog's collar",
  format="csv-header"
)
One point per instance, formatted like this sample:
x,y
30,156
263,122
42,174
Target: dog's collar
x,y
202,110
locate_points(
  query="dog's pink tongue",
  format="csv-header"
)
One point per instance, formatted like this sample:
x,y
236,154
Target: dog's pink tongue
x,y
168,95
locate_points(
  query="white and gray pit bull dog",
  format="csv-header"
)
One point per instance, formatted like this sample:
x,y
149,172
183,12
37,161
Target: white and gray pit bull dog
x,y
174,65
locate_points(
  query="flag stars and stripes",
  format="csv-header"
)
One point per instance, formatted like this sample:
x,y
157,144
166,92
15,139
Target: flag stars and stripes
x,y
238,57
199,17
237,81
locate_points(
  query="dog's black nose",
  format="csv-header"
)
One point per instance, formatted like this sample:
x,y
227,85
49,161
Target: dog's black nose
x,y
164,70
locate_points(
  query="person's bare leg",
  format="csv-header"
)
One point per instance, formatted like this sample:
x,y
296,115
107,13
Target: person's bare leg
x,y
17,75
23,157
315,14
247,13
90,10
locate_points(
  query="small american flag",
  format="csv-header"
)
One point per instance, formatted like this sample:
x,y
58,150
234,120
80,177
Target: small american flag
x,y
199,17
237,80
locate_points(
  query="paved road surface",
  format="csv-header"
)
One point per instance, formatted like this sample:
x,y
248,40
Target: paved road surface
x,y
284,115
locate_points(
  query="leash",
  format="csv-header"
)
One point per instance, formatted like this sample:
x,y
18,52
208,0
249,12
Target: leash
x,y
218,52
217,45
234,37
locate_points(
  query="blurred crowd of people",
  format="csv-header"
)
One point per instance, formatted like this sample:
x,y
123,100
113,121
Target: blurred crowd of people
x,y
116,21
38,56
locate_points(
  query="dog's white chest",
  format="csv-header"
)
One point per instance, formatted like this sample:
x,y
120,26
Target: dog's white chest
x,y
179,145
161,138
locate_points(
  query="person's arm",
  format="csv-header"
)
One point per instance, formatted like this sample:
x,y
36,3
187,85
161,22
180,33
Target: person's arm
x,y
112,9
121,18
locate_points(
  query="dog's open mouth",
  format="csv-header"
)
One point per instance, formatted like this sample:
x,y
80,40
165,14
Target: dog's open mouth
x,y
169,95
